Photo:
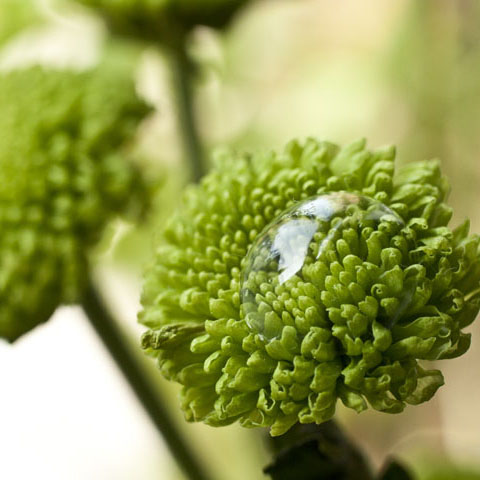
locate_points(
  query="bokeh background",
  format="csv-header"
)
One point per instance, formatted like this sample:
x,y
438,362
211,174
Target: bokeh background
x,y
403,72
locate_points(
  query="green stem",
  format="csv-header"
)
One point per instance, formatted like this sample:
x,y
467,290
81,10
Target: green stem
x,y
317,452
182,87
113,339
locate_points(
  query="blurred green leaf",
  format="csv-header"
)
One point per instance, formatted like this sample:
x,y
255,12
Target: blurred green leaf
x,y
446,473
16,15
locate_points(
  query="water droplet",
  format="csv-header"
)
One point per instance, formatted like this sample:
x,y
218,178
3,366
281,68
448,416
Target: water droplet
x,y
286,267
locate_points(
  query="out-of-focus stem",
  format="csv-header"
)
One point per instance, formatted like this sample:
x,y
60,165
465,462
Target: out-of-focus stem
x,y
182,88
115,342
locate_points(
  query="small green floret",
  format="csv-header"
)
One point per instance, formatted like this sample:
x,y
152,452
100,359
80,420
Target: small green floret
x,y
63,175
341,326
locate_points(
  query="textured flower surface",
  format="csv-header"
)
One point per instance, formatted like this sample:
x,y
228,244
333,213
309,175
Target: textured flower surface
x,y
164,18
63,176
380,284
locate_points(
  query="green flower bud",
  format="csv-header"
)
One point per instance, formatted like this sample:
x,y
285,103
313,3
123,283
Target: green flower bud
x,y
261,326
64,176
165,18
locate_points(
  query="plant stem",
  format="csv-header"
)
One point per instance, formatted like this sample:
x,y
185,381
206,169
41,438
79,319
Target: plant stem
x,y
182,87
317,452
115,342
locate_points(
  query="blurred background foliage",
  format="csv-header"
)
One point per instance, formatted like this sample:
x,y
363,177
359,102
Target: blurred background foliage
x,y
405,72
15,16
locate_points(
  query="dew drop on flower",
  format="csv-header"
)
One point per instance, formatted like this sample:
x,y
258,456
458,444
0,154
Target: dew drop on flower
x,y
289,260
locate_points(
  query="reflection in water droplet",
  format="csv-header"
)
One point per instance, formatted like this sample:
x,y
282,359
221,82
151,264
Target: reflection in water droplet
x,y
286,267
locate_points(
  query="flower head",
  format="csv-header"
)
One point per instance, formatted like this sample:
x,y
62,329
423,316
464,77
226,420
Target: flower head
x,y
289,281
164,18
63,176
